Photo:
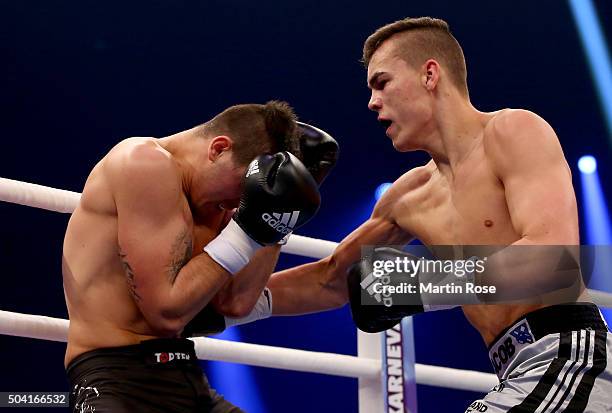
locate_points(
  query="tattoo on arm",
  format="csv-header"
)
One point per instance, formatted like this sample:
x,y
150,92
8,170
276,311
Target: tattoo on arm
x,y
129,274
180,254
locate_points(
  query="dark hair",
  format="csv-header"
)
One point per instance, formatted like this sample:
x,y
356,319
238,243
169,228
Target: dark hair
x,y
257,129
419,39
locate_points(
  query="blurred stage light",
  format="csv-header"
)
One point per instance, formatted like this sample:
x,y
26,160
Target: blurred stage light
x,y
597,227
382,188
594,44
587,164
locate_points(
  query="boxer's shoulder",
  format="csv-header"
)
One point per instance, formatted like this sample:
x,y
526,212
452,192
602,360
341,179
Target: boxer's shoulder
x,y
140,159
413,179
403,190
511,116
132,164
138,152
512,127
516,139
137,165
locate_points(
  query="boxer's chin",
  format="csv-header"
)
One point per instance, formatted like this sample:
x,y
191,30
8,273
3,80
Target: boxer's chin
x,y
401,143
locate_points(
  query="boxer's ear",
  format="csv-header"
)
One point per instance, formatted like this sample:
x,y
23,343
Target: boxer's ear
x,y
430,74
218,145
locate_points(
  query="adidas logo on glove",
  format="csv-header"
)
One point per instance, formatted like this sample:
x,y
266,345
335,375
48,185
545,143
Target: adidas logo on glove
x,y
282,223
253,168
372,280
368,284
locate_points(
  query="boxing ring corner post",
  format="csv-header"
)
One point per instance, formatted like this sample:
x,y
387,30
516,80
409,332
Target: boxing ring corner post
x,y
370,394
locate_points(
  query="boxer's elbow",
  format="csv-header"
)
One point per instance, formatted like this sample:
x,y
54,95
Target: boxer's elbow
x,y
333,282
235,309
165,322
166,326
233,306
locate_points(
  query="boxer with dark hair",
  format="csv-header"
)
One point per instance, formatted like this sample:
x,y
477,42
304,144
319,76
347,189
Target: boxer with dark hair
x,y
319,152
162,227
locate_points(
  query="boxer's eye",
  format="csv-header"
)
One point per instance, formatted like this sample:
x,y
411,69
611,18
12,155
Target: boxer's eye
x,y
380,84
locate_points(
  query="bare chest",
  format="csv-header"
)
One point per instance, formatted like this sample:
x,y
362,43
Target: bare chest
x,y
471,209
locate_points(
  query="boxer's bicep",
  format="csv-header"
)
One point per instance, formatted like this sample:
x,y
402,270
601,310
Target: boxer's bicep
x,y
528,159
153,237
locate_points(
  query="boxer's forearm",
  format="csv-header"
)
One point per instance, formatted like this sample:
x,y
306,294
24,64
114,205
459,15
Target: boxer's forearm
x,y
308,288
202,281
238,296
195,285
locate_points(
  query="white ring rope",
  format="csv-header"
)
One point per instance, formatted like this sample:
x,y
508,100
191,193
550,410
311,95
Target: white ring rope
x,y
55,329
47,328
60,200
38,196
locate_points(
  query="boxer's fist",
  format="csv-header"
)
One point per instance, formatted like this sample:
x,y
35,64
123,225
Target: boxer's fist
x,y
372,310
319,151
279,196
207,322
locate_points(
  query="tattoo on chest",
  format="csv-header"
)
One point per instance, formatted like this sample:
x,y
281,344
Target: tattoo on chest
x,y
180,254
129,274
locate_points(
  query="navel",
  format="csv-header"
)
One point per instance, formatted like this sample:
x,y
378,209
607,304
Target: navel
x,y
488,223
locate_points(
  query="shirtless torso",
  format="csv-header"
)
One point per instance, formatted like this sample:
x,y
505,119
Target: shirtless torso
x,y
98,281
469,209
503,192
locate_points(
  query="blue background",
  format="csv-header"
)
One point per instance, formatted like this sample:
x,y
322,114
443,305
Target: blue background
x,y
77,77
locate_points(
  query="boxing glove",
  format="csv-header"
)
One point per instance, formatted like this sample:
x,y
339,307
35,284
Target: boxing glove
x,y
319,151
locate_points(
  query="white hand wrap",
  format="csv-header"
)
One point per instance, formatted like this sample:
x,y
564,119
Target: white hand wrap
x,y
232,248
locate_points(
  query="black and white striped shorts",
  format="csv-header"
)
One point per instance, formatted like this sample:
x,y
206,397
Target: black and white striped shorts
x,y
552,360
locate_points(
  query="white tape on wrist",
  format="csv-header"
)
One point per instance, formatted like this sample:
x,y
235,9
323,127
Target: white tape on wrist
x,y
232,248
262,309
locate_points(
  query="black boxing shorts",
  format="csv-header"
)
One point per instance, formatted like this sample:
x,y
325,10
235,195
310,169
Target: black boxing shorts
x,y
160,375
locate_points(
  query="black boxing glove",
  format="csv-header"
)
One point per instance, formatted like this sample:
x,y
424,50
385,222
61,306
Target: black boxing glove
x,y
387,286
209,321
279,195
370,313
319,151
